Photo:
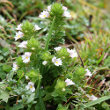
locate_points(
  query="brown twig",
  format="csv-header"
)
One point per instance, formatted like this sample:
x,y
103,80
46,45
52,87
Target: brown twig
x,y
79,55
68,100
17,99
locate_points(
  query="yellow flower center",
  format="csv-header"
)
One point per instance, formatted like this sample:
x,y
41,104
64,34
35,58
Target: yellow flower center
x,y
16,68
56,62
31,86
44,15
18,36
26,57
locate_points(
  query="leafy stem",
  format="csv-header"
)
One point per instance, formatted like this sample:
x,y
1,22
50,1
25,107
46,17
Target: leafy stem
x,y
49,35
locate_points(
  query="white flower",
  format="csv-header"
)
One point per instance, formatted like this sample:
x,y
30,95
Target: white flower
x,y
56,61
18,35
69,82
26,57
37,27
67,14
44,14
64,8
63,89
19,27
88,73
2,19
57,48
92,97
33,48
30,87
23,44
15,67
26,77
49,8
44,62
72,53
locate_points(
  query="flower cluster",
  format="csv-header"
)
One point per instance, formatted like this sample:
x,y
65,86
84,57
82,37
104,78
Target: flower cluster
x,y
45,13
23,44
20,34
58,61
27,55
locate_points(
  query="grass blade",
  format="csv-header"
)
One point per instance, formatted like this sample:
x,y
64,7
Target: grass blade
x,y
92,103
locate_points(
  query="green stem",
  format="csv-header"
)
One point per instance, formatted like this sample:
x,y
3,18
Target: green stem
x,y
41,102
38,86
39,95
49,35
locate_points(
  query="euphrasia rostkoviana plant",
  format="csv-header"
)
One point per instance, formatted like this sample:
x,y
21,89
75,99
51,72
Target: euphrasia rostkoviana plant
x,y
56,14
43,73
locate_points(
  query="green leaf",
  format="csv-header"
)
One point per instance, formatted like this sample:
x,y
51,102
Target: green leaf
x,y
107,62
92,103
4,95
2,74
6,68
17,107
33,75
40,105
5,51
1,57
31,98
62,107
100,59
